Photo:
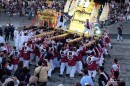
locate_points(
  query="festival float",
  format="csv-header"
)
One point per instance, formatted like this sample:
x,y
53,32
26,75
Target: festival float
x,y
48,15
105,12
81,10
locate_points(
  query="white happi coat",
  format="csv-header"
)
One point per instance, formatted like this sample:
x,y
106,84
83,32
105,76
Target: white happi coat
x,y
16,38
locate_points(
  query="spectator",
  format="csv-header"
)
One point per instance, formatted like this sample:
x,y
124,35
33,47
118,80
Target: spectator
x,y
21,84
7,32
19,69
86,79
24,76
4,70
119,36
11,81
12,28
103,77
41,72
113,81
118,12
33,81
115,67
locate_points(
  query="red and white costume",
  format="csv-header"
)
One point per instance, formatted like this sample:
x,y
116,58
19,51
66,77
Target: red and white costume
x,y
92,66
107,39
15,58
99,56
88,27
115,67
21,54
105,48
79,65
61,23
32,55
63,62
36,50
71,59
26,51
52,61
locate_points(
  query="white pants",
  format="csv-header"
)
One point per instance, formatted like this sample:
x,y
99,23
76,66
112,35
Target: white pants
x,y
100,62
119,37
92,73
56,63
72,70
60,24
109,45
51,69
32,55
84,59
15,66
79,67
105,51
37,60
88,31
62,68
26,63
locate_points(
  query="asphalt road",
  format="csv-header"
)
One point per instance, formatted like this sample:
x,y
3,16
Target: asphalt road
x,y
125,36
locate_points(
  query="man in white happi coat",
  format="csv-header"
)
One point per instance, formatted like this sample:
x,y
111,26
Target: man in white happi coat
x,y
31,33
24,38
88,28
61,21
16,37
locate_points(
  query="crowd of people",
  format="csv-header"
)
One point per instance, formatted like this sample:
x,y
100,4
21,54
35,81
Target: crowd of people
x,y
28,8
48,54
119,12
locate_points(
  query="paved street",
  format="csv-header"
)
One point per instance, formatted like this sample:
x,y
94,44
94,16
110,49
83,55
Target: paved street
x,y
125,36
15,20
126,27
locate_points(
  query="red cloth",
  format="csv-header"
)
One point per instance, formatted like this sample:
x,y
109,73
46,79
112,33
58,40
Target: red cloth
x,y
112,70
15,60
101,51
107,40
99,54
36,51
92,66
22,52
83,52
71,61
63,59
79,57
27,55
105,45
